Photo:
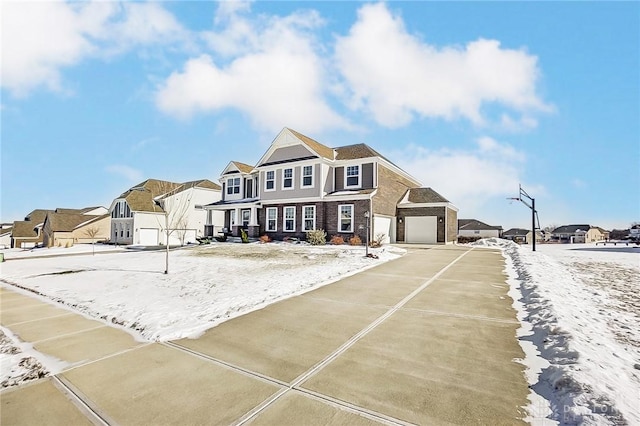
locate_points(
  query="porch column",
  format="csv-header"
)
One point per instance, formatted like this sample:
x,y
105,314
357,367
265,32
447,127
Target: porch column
x,y
253,221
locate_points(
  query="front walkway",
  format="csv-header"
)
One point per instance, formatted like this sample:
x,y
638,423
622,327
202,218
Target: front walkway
x,y
425,339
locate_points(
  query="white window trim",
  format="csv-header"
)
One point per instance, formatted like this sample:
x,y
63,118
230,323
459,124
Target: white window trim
x,y
239,186
293,175
232,218
284,218
275,220
266,180
304,219
359,166
340,218
313,175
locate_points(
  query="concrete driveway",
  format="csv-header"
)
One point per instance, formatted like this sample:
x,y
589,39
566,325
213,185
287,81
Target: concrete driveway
x,y
429,338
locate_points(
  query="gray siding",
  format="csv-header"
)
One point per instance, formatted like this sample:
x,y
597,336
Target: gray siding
x,y
367,175
339,174
289,153
328,185
297,191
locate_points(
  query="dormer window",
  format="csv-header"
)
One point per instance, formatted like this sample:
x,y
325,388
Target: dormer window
x,y
233,186
287,179
270,181
352,176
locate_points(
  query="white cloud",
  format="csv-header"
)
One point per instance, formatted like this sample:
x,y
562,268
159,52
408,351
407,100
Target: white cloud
x,y
275,75
396,76
129,173
39,39
472,178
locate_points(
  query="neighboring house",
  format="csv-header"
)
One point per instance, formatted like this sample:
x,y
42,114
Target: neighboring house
x,y
300,185
5,236
517,235
476,228
139,215
634,233
27,233
64,227
541,237
579,234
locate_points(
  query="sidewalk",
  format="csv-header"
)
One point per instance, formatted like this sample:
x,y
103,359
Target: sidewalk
x,y
425,339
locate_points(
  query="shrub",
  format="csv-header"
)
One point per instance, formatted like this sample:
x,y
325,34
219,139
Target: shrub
x,y
337,240
265,239
377,241
244,236
355,241
467,240
317,237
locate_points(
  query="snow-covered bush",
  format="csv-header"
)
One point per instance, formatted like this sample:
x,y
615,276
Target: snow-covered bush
x,y
317,237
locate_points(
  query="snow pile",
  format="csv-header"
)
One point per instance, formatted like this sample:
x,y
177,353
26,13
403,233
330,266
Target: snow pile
x,y
205,286
493,243
582,310
20,363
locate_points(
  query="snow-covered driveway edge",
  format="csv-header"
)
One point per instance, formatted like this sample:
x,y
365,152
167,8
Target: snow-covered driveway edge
x,y
560,378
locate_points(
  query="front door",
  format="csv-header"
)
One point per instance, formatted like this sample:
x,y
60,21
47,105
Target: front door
x,y
246,217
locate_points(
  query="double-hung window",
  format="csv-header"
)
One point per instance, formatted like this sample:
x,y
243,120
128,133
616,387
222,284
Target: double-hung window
x,y
352,176
287,179
309,214
345,218
270,181
307,176
233,186
290,219
272,219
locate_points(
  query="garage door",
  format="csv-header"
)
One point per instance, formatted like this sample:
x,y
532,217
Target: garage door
x,y
421,229
148,237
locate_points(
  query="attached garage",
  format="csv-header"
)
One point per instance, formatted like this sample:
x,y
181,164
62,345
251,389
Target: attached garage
x,y
421,229
148,237
424,216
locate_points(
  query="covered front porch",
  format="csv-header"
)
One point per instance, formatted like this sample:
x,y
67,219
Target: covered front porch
x,y
237,215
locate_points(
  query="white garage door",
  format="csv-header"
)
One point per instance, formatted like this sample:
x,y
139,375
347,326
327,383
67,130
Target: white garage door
x,y
381,225
148,237
421,229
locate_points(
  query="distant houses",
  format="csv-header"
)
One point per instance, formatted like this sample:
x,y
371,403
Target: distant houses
x,y
475,228
579,234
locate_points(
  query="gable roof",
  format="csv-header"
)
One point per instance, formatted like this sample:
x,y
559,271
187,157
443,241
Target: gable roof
x,y
6,231
67,222
320,149
571,229
37,216
76,211
141,197
202,183
24,229
244,168
425,195
474,224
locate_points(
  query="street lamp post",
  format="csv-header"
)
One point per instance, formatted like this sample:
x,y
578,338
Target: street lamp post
x,y
366,235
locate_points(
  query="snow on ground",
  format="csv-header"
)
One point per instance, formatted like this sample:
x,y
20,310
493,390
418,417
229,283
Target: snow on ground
x,y
19,253
206,285
20,363
581,306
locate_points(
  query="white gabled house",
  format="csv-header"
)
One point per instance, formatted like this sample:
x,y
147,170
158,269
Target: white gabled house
x,y
140,215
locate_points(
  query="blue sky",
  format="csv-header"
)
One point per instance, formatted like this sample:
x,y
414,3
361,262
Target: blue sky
x,y
472,98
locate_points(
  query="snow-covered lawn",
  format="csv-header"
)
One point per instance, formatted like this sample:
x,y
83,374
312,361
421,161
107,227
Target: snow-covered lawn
x,y
18,253
206,284
580,308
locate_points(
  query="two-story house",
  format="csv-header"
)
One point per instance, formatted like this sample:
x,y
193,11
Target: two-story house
x,y
142,215
300,185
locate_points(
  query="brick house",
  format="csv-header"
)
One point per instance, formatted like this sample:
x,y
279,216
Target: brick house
x,y
300,184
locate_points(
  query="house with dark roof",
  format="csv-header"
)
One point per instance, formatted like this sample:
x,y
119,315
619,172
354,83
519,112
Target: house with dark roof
x,y
299,185
581,233
27,233
476,228
66,227
517,235
141,214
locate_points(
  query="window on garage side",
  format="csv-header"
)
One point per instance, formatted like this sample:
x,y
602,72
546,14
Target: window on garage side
x,y
272,219
345,217
290,219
